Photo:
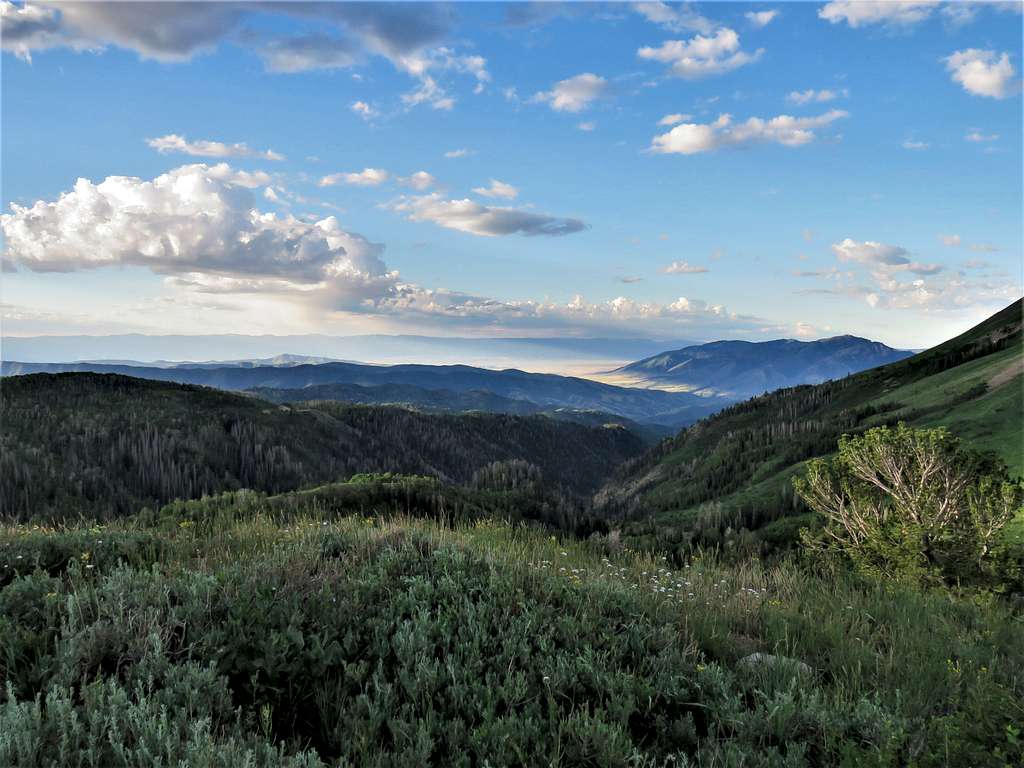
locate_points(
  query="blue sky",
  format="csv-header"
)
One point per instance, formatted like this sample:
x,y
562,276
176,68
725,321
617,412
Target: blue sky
x,y
669,171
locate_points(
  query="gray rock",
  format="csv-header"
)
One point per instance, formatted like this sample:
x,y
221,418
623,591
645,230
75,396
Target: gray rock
x,y
762,660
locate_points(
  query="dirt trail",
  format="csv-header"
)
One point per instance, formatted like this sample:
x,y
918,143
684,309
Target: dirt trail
x,y
1016,368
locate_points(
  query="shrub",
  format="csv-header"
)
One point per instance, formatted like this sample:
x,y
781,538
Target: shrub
x,y
911,505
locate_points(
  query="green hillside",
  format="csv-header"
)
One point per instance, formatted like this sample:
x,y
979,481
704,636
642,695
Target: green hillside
x,y
249,632
85,444
727,479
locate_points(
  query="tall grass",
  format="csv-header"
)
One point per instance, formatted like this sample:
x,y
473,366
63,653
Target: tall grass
x,y
264,640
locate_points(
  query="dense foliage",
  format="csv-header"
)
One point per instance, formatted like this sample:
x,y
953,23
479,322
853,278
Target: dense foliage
x,y
913,505
103,445
231,639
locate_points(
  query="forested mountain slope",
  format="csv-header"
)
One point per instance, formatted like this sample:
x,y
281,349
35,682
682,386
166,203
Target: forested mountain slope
x,y
733,470
447,401
545,390
104,445
745,368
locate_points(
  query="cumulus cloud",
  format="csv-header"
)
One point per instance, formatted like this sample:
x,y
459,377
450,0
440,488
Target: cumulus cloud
x,y
950,241
486,221
368,177
587,126
203,232
811,95
859,13
694,138
882,258
870,252
916,146
420,180
702,55
195,224
456,153
885,277
675,18
760,18
675,117
497,189
172,142
983,73
573,94
684,268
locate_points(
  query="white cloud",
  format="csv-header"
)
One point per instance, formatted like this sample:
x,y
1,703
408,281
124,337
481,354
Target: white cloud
x,y
870,252
760,18
675,117
196,225
978,137
883,259
227,174
859,13
959,14
364,110
486,221
204,234
202,148
702,55
461,152
420,180
915,145
587,126
675,18
683,268
498,189
955,241
573,94
983,73
429,92
693,138
368,177
811,95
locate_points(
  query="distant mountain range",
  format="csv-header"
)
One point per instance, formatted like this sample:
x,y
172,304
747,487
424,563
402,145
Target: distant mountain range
x,y
569,355
742,369
420,385
670,389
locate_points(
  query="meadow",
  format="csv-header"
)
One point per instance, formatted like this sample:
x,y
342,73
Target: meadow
x,y
240,631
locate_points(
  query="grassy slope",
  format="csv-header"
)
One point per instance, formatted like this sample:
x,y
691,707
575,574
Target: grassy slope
x,y
989,420
374,641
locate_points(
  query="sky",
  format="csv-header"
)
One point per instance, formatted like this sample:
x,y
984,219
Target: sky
x,y
697,171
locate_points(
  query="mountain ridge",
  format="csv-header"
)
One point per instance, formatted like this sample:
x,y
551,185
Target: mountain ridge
x,y
738,368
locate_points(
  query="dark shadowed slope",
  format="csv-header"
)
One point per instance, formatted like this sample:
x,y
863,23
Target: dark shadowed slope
x,y
744,368
102,445
733,470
